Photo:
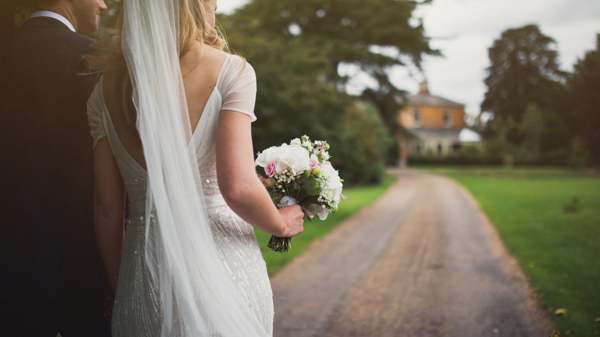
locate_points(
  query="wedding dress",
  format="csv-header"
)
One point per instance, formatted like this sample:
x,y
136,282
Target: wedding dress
x,y
136,310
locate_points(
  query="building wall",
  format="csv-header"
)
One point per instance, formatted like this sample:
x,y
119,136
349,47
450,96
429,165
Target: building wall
x,y
432,117
434,145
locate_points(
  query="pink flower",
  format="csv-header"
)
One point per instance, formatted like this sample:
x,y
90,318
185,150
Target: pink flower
x,y
271,169
314,164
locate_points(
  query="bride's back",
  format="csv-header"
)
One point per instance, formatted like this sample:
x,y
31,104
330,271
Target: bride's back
x,y
200,68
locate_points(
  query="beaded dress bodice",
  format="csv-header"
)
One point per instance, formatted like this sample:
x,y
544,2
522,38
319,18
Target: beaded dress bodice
x,y
135,312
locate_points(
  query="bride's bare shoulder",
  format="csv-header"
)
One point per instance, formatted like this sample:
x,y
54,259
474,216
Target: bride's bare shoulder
x,y
202,56
219,54
215,52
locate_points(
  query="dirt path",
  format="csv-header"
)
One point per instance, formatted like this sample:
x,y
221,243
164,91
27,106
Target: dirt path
x,y
422,261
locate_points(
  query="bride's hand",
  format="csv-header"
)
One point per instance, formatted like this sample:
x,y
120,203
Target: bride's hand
x,y
293,217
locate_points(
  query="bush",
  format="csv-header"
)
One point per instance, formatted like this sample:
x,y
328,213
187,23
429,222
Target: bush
x,y
360,146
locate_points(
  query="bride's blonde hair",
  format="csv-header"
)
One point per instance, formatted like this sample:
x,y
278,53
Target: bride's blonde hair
x,y
193,27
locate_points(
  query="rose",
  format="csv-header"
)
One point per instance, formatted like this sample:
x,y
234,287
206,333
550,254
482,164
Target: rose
x,y
271,169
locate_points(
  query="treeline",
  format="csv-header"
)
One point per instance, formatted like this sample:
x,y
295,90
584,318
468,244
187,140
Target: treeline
x,y
540,113
297,47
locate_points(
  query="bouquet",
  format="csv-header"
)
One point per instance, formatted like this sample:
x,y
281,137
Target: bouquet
x,y
300,173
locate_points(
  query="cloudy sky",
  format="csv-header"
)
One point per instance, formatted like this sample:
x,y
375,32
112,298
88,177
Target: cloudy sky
x,y
464,29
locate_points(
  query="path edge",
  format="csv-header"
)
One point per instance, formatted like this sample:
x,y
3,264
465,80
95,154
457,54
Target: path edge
x,y
510,265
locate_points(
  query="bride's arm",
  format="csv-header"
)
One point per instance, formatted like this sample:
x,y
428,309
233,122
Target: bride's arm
x,y
108,209
240,185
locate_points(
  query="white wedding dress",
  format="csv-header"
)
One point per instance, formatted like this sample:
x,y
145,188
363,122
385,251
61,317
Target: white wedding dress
x,y
135,312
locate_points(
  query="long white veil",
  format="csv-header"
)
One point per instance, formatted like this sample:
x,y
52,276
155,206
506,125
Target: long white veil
x,y
197,296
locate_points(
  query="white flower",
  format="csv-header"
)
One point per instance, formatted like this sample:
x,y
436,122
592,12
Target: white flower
x,y
296,141
293,157
332,188
329,172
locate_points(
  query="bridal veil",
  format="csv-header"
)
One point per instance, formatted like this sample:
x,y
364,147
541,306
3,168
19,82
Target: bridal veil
x,y
197,295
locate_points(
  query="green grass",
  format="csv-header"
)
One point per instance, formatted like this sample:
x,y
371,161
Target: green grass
x,y
555,238
356,199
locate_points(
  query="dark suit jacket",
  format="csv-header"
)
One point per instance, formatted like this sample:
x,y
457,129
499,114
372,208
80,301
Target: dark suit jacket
x,y
54,269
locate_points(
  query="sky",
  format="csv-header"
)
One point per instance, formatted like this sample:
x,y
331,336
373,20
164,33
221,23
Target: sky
x,y
463,30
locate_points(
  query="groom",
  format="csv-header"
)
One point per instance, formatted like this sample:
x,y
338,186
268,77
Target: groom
x,y
54,278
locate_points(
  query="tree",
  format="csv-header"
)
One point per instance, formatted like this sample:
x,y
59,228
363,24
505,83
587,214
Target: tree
x,y
361,145
525,83
296,96
347,31
584,88
386,100
293,98
523,67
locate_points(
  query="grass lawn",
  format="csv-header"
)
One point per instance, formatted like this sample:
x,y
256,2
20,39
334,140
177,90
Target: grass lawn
x,y
549,220
356,199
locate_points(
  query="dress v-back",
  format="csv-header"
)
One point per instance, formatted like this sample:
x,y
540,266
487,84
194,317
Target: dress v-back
x,y
136,307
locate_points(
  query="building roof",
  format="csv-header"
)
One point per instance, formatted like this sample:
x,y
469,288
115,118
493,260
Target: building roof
x,y
432,100
425,98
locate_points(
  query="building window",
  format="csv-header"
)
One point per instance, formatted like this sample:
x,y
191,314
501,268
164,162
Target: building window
x,y
447,119
417,117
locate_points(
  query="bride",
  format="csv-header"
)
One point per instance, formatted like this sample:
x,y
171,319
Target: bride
x,y
171,123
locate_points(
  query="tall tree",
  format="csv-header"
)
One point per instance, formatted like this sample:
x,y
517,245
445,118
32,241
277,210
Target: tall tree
x,y
584,88
523,66
293,96
524,71
349,29
351,32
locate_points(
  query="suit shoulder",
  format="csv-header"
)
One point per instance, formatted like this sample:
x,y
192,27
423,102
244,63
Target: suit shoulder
x,y
51,40
82,42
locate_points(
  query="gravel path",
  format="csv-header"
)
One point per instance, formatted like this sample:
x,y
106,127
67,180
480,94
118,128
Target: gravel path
x,y
422,261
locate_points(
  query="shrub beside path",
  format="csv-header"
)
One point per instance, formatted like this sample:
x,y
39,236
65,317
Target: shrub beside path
x,y
421,261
